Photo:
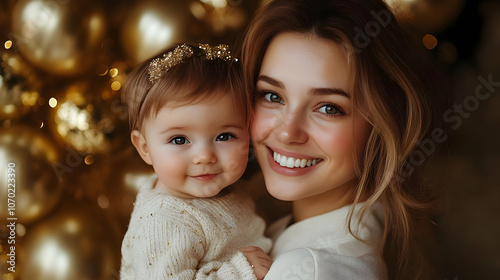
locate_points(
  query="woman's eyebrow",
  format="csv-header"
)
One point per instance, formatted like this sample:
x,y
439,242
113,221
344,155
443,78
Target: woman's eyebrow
x,y
329,91
314,91
270,81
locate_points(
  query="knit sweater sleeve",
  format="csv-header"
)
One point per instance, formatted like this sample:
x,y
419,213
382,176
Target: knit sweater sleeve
x,y
235,268
166,249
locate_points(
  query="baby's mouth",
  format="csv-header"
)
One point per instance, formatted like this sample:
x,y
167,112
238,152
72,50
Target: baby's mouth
x,y
205,177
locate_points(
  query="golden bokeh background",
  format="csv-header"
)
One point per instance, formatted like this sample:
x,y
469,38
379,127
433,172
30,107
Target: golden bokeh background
x,y
63,64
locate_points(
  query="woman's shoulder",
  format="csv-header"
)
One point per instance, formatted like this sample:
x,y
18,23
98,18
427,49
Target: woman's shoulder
x,y
275,229
330,230
324,263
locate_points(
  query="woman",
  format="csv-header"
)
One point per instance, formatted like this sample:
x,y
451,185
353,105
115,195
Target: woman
x,y
340,108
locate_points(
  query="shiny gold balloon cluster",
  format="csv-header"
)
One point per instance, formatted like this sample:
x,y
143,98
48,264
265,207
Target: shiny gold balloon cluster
x,y
80,241
37,188
126,172
152,26
60,37
87,122
220,16
19,86
48,68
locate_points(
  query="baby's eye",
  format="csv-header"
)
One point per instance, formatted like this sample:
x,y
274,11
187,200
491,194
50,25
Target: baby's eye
x,y
330,109
179,140
225,137
273,97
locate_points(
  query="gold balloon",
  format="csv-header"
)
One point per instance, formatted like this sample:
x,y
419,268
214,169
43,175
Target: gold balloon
x,y
37,188
90,118
427,16
153,26
78,242
219,16
19,86
126,171
59,36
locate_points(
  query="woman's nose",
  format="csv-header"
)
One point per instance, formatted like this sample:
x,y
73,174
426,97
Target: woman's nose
x,y
289,129
204,155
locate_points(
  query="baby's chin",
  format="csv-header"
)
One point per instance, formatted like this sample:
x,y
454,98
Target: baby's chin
x,y
210,190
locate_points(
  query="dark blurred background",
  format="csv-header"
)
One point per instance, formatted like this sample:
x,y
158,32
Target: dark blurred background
x,y
65,134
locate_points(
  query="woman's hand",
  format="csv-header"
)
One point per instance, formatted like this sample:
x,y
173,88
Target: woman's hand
x,y
258,259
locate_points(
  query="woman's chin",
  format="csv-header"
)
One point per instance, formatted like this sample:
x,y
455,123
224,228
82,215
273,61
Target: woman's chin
x,y
282,191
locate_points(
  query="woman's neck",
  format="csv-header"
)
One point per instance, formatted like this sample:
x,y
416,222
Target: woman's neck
x,y
322,203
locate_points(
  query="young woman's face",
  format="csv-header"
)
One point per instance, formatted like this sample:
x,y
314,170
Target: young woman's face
x,y
198,149
305,131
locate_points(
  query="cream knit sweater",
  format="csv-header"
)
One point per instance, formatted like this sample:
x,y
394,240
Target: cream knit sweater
x,y
174,238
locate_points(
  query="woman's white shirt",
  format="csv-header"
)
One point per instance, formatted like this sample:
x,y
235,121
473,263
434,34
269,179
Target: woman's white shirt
x,y
322,248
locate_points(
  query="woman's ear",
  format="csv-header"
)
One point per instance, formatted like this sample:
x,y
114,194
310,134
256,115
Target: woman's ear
x,y
140,145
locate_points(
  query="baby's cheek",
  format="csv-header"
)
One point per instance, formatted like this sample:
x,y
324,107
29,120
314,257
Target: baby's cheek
x,y
173,171
237,166
261,127
236,157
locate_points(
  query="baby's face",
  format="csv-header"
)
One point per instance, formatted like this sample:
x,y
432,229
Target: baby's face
x,y
197,150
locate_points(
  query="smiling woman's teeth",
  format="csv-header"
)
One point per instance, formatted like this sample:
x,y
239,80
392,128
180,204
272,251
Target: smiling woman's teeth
x,y
291,162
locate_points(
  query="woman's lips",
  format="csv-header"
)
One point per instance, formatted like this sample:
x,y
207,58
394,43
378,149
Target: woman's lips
x,y
290,164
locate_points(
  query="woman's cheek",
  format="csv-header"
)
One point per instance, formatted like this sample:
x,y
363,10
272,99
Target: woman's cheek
x,y
361,134
335,140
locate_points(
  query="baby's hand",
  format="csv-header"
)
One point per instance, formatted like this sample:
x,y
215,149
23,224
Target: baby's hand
x,y
258,259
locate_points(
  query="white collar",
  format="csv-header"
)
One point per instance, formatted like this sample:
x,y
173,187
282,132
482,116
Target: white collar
x,y
322,229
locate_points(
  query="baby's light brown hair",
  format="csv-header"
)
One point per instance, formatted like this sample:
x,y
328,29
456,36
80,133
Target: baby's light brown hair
x,y
194,80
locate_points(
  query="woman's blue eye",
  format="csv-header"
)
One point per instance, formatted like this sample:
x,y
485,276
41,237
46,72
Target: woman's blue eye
x,y
330,110
273,97
179,140
224,137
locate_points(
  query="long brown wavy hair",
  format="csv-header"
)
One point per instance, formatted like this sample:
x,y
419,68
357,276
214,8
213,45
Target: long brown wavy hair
x,y
395,91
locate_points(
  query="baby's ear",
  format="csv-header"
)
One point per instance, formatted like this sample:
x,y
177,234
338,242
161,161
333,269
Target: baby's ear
x,y
140,145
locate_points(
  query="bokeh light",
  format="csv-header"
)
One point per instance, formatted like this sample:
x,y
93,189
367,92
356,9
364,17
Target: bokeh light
x,y
430,41
89,160
116,86
8,44
103,201
53,102
113,72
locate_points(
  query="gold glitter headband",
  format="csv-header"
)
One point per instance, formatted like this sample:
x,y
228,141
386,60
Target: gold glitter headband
x,y
159,66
